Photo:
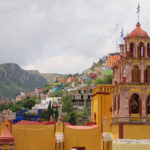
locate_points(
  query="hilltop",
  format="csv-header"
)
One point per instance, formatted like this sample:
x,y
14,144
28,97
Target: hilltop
x,y
14,79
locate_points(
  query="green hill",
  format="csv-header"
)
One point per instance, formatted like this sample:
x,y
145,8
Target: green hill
x,y
13,79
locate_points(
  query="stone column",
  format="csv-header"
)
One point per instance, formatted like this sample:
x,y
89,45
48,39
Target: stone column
x,y
142,73
113,115
136,49
146,50
144,106
128,48
117,106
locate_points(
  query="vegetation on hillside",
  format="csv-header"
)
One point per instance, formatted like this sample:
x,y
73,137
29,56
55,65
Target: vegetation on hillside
x,y
27,104
13,80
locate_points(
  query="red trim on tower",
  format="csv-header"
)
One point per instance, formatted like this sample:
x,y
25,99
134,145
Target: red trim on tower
x,y
124,79
120,131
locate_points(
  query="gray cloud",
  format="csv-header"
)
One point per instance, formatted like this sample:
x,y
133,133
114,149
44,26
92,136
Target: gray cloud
x,y
35,32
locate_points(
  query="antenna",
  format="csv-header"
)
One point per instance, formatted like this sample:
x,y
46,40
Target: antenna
x,y
117,37
138,12
121,35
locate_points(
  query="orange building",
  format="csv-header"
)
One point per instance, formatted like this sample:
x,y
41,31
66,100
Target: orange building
x,y
111,58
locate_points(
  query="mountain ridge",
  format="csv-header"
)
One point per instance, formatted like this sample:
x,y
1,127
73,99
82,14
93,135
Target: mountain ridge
x,y
14,79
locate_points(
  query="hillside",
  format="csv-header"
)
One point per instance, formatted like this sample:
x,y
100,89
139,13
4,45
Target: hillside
x,y
51,77
13,79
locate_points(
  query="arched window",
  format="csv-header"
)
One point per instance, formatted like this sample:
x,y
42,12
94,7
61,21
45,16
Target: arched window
x,y
132,50
147,75
134,104
148,105
141,50
148,50
135,74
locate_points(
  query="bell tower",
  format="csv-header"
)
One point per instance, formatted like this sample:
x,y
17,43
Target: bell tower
x,y
131,97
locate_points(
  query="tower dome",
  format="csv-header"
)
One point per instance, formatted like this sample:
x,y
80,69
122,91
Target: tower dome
x,y
138,32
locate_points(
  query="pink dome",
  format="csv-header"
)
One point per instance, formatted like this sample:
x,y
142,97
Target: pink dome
x,y
138,32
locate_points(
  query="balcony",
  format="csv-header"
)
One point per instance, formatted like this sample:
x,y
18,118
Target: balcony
x,y
131,120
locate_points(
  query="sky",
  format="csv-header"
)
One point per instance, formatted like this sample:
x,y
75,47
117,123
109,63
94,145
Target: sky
x,y
65,36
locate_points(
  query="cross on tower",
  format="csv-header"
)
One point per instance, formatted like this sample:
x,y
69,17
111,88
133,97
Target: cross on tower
x,y
138,11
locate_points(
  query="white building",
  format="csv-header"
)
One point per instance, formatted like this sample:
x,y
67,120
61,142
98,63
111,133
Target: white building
x,y
44,103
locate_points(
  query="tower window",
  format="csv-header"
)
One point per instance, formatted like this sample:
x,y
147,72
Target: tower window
x,y
141,50
131,49
134,105
135,74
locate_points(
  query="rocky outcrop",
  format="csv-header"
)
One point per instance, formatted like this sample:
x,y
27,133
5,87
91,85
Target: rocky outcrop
x,y
14,79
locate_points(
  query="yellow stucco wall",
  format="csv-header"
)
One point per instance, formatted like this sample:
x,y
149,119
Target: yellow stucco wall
x,y
130,131
136,131
88,138
34,137
101,103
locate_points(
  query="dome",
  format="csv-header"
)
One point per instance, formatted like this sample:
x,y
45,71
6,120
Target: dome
x,y
138,32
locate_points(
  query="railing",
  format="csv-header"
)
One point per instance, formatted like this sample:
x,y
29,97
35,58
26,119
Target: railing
x,y
131,120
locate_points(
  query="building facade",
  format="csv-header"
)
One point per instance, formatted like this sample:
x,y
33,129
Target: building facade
x,y
82,97
131,99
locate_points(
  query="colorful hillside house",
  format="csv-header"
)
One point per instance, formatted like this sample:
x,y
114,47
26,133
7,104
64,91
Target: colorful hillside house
x,y
86,79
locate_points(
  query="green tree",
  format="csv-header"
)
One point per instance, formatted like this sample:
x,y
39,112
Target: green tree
x,y
71,118
105,80
67,105
50,110
98,81
45,115
56,114
29,103
57,94
108,79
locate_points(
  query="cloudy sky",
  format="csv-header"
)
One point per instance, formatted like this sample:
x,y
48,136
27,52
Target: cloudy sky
x,y
65,36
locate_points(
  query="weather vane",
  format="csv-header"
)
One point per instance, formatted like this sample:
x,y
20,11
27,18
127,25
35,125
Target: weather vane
x,y
122,35
138,11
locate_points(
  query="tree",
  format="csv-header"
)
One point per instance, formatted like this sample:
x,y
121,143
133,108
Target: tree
x,y
45,115
28,103
56,114
106,80
57,94
71,118
50,110
67,105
